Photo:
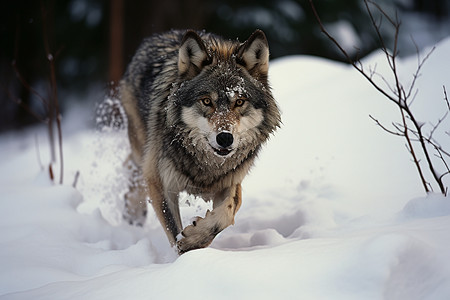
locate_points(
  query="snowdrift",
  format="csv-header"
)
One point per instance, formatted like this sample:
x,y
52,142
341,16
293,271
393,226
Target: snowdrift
x,y
333,208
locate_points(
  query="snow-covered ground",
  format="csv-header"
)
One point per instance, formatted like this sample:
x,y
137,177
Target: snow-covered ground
x,y
333,209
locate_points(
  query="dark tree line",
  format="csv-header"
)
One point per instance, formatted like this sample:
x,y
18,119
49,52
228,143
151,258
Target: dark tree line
x,y
92,40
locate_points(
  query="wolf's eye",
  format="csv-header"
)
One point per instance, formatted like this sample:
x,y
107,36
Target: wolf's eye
x,y
206,101
239,102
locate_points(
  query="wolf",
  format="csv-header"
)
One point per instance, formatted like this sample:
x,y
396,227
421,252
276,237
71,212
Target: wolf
x,y
199,108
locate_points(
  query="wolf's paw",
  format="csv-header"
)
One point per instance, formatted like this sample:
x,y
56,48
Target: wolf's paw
x,y
198,235
197,240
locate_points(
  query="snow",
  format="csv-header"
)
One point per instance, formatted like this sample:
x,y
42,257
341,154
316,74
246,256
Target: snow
x,y
333,208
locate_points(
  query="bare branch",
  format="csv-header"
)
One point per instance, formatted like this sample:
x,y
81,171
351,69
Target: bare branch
x,y
38,154
409,128
322,28
28,86
399,127
438,147
413,154
411,101
444,162
446,98
419,68
19,102
386,129
393,23
430,137
376,26
51,105
50,171
54,113
75,181
357,65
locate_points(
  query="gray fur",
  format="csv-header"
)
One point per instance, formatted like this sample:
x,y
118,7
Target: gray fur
x,y
173,129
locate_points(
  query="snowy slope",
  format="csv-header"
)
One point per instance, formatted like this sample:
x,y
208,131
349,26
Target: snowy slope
x,y
333,208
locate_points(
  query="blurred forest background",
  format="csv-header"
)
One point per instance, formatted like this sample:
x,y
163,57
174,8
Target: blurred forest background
x,y
89,42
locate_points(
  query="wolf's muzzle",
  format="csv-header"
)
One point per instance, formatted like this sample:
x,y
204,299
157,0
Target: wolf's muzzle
x,y
224,139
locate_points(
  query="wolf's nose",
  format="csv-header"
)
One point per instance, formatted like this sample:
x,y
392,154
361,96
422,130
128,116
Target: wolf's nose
x,y
224,139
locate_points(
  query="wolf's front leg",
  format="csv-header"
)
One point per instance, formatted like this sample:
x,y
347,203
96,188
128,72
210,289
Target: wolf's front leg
x,y
202,231
166,209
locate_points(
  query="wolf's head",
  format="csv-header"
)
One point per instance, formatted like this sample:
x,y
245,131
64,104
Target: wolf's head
x,y
222,102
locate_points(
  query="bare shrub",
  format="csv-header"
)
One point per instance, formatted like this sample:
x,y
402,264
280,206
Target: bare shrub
x,y
418,143
51,116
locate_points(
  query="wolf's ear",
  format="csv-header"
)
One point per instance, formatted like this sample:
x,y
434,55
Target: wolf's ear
x,y
192,55
253,54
